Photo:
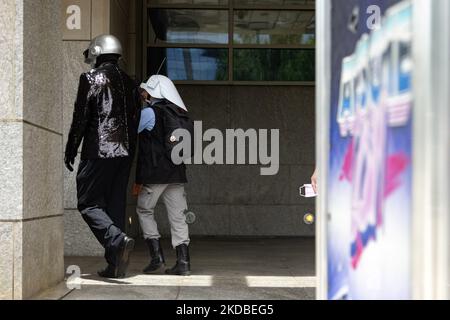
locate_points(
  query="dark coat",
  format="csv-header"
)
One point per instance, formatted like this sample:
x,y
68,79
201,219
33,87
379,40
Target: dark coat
x,y
154,165
106,115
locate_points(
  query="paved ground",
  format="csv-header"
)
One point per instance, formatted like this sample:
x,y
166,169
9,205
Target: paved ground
x,y
241,269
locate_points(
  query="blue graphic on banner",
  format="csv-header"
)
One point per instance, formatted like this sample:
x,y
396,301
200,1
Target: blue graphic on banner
x,y
369,231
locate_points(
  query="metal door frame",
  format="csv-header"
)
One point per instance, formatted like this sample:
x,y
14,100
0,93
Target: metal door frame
x,y
323,78
431,47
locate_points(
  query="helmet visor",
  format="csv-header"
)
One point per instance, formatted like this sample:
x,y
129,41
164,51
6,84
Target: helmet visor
x,y
87,58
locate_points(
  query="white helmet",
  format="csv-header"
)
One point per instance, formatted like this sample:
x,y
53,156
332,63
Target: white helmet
x,y
104,44
161,87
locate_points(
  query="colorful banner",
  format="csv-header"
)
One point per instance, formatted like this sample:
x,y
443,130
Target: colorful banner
x,y
370,193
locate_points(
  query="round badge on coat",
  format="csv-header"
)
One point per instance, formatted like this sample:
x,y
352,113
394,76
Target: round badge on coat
x,y
190,217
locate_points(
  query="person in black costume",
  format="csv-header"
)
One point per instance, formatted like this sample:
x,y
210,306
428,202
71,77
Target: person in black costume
x,y
105,118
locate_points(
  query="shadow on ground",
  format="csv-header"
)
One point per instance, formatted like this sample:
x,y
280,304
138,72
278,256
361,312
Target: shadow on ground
x,y
222,269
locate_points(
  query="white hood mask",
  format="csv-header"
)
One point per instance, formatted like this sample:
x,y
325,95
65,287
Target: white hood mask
x,y
161,87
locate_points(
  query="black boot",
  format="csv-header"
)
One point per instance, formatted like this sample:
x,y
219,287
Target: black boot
x,y
122,259
183,266
109,272
123,256
157,261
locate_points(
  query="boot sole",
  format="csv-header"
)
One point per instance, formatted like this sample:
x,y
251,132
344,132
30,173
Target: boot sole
x,y
181,274
125,260
106,276
159,270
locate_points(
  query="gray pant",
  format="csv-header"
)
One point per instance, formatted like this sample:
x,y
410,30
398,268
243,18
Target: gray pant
x,y
174,198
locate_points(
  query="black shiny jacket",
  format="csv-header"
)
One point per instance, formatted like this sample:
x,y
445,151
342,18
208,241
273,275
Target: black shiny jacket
x,y
106,115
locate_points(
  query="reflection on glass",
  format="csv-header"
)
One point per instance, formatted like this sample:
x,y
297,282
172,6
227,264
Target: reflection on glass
x,y
236,2
196,2
189,63
274,65
273,2
188,26
274,27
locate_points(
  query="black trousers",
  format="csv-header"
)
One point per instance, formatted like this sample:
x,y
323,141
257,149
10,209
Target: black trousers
x,y
102,198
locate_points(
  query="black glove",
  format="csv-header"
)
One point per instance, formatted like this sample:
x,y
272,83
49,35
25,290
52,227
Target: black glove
x,y
69,162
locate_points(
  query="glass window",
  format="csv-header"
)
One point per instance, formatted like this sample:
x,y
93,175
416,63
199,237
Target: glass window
x,y
244,3
231,40
188,26
192,2
206,64
274,27
274,65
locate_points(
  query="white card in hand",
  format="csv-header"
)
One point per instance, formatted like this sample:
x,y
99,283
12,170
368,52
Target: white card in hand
x,y
307,191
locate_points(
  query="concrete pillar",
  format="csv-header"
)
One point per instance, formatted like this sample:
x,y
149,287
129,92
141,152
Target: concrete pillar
x,y
31,203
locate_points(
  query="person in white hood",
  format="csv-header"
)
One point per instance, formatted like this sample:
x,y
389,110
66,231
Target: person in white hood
x,y
161,87
157,176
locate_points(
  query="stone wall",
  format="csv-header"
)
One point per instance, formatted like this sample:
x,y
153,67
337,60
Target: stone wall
x,y
31,202
237,200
